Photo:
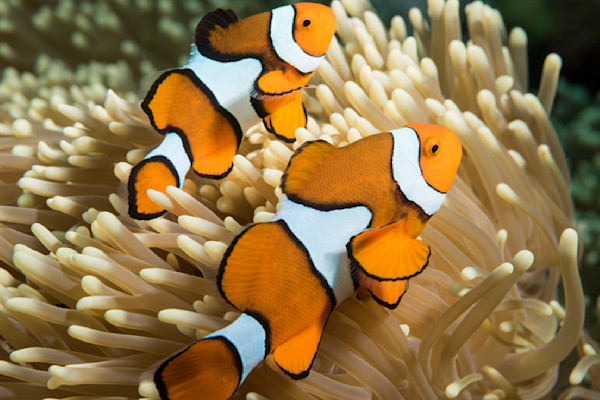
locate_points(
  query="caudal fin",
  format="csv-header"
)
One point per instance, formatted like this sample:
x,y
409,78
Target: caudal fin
x,y
152,173
209,369
166,165
214,367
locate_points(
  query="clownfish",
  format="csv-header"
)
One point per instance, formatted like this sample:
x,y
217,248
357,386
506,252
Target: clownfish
x,y
348,221
239,72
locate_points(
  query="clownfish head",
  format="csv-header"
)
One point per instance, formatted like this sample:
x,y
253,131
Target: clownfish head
x,y
440,155
314,26
424,161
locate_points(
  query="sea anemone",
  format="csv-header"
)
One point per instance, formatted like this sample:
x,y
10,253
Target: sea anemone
x,y
91,300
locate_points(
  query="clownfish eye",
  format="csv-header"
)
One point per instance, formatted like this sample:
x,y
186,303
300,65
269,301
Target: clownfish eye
x,y
432,148
306,23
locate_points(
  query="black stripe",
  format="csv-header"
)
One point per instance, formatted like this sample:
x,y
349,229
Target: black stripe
x,y
258,107
223,264
234,352
233,122
313,269
297,242
133,211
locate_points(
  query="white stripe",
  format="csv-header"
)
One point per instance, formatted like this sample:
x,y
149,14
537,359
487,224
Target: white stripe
x,y
248,336
325,235
230,82
282,37
407,171
172,148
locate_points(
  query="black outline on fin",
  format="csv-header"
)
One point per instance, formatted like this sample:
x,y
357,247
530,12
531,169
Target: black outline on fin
x,y
216,107
160,384
305,373
218,18
270,129
132,193
388,305
356,266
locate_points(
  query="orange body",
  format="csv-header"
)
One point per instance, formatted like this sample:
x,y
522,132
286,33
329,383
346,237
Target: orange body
x,y
348,220
239,73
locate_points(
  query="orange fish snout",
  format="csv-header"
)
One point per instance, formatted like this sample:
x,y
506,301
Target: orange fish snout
x,y
314,26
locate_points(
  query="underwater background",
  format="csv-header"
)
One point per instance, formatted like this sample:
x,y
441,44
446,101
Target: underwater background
x,y
80,39
566,27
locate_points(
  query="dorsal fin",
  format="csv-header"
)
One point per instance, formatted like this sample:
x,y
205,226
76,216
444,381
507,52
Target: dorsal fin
x,y
218,18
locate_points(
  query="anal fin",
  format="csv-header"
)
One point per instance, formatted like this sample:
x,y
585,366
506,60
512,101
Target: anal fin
x,y
295,357
290,116
386,293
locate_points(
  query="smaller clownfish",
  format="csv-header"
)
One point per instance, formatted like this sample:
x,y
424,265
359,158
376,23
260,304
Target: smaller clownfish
x,y
239,72
348,221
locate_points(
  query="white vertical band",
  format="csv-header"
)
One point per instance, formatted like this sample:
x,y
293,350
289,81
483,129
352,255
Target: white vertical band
x,y
230,83
282,37
172,148
407,171
248,336
325,234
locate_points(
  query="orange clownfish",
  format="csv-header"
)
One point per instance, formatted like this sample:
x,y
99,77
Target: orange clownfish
x,y
239,72
348,220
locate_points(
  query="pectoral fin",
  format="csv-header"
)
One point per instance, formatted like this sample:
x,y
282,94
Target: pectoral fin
x,y
284,122
387,253
295,357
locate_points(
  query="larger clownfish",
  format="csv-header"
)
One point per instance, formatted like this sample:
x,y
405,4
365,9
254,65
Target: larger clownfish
x,y
239,72
348,220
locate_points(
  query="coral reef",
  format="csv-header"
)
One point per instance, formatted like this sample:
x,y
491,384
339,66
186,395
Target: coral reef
x,y
91,301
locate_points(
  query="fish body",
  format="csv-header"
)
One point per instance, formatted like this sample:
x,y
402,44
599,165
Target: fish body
x,y
239,73
348,221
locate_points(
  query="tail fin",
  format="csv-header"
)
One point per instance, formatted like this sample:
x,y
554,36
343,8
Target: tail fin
x,y
214,367
166,165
